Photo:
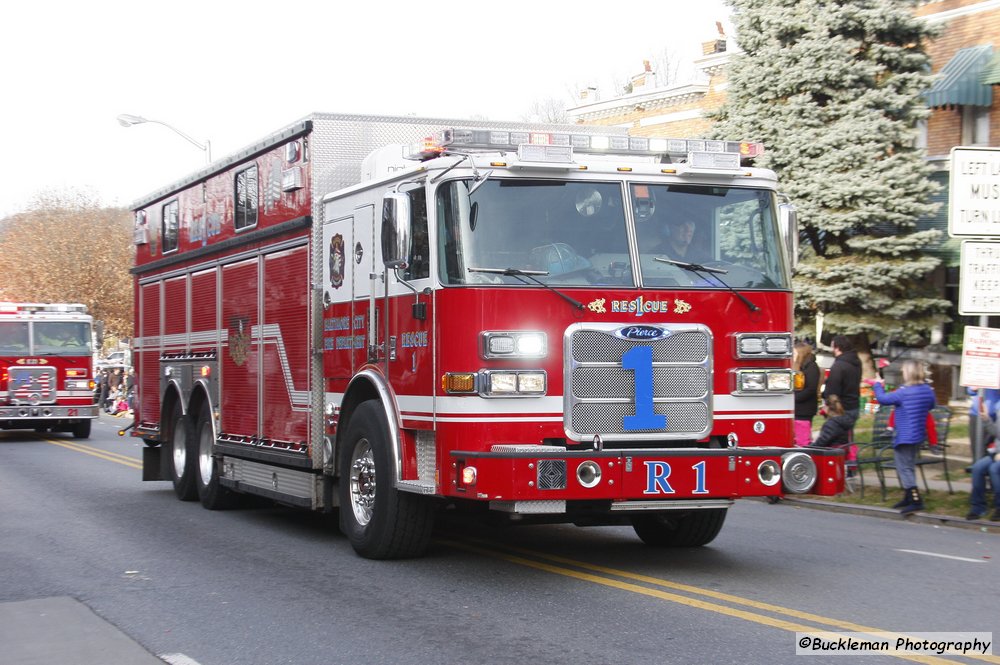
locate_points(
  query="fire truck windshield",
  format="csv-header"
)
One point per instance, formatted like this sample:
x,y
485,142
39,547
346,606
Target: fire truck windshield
x,y
60,338
576,233
14,337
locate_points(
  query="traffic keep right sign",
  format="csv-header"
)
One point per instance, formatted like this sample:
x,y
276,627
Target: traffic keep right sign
x,y
979,283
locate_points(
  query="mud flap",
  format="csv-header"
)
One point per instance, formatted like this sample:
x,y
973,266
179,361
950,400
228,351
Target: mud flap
x,y
154,463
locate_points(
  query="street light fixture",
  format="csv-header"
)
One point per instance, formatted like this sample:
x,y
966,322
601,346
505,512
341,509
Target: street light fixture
x,y
127,120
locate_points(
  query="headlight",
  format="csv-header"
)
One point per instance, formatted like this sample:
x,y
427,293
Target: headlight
x,y
764,381
513,344
763,345
779,381
751,382
517,383
78,384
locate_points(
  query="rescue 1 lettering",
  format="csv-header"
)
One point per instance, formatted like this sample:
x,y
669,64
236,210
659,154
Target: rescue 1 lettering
x,y
657,473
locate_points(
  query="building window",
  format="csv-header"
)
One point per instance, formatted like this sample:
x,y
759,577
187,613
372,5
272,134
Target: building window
x,y
169,226
246,195
975,125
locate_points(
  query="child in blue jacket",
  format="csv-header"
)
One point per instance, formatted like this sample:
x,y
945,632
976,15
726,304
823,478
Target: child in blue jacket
x,y
913,401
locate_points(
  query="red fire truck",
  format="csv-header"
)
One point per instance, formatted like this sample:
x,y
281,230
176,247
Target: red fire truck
x,y
46,368
551,323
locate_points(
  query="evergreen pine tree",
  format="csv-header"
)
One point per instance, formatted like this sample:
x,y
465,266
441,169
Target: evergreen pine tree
x,y
832,88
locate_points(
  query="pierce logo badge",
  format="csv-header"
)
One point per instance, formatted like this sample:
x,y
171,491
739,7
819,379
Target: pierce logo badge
x,y
642,333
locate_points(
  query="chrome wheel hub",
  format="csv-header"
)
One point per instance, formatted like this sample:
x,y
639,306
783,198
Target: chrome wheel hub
x,y
362,482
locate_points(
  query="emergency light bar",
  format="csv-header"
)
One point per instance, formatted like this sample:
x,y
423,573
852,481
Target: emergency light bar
x,y
703,153
30,307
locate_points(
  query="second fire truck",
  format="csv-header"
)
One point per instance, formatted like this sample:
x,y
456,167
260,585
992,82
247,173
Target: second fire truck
x,y
497,319
46,368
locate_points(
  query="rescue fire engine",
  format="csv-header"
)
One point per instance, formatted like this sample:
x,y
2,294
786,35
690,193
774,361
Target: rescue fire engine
x,y
346,315
46,368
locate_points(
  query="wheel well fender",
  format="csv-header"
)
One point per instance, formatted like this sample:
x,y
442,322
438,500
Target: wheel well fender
x,y
371,385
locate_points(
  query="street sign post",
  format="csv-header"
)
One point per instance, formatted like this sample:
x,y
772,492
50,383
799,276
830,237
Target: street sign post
x,y
974,196
981,358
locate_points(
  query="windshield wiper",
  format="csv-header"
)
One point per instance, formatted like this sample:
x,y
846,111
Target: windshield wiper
x,y
715,272
528,275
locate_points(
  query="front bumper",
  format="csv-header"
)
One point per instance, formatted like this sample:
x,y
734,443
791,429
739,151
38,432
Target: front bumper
x,y
646,479
47,412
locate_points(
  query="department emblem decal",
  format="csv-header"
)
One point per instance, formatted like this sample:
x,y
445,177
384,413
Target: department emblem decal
x,y
337,261
239,339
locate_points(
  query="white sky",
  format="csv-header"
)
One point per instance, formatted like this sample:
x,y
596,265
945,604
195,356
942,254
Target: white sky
x,y
233,72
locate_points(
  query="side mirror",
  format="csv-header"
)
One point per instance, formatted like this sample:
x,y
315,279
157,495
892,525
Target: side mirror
x,y
396,230
789,222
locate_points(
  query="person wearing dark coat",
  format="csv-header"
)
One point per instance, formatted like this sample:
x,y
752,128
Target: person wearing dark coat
x,y
806,398
837,428
844,380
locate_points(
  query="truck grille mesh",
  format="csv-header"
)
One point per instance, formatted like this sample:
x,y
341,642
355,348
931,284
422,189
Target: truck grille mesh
x,y
32,385
600,393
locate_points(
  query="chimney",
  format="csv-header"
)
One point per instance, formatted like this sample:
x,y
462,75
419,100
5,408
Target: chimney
x,y
589,94
717,45
647,79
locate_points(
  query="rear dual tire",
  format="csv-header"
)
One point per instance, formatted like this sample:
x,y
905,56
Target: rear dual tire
x,y
182,454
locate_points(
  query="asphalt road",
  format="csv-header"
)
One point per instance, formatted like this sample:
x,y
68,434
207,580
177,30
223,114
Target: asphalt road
x,y
270,585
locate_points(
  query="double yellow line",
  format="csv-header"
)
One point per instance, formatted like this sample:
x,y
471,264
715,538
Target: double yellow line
x,y
96,452
718,602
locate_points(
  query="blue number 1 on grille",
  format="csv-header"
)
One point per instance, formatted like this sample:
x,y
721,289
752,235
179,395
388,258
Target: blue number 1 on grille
x,y
639,359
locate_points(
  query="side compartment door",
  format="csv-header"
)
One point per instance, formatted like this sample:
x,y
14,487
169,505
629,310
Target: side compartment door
x,y
241,380
339,336
284,338
147,353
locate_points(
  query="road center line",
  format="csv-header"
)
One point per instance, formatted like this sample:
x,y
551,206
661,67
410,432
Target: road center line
x,y
944,556
97,452
691,602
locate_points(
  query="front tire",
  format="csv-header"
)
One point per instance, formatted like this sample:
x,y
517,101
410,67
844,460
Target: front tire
x,y
182,453
81,429
379,521
211,493
688,529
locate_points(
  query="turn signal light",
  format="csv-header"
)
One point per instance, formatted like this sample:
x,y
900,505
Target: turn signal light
x,y
459,382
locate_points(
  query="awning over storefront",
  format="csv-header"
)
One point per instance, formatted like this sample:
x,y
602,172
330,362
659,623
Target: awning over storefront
x,y
959,83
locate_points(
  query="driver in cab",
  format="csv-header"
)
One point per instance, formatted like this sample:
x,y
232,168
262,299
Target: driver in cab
x,y
678,233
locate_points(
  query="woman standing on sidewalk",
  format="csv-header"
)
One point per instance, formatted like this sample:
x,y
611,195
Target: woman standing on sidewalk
x,y
913,401
806,398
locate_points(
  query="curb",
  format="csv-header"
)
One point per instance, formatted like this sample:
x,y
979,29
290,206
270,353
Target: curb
x,y
983,526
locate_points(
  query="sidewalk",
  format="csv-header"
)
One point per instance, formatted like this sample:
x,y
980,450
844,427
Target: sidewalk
x,y
960,482
64,630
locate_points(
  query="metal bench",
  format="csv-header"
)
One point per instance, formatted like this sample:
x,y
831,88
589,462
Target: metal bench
x,y
927,454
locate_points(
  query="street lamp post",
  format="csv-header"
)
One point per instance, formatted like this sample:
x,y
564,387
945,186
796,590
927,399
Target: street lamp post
x,y
127,120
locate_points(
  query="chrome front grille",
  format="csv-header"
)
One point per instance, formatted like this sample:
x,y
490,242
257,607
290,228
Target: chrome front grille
x,y
600,392
31,385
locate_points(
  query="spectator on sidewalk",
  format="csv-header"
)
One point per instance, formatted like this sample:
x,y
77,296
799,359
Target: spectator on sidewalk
x,y
807,398
986,466
913,401
844,381
992,397
837,428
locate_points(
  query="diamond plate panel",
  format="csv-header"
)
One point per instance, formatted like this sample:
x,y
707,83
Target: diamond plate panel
x,y
551,474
